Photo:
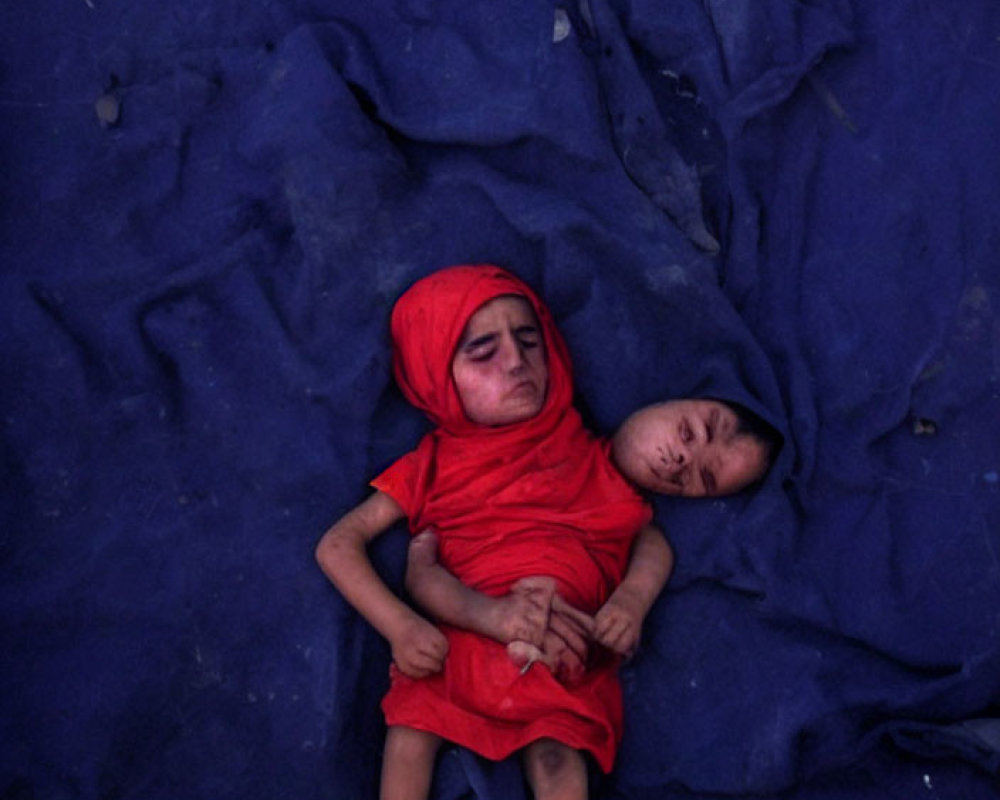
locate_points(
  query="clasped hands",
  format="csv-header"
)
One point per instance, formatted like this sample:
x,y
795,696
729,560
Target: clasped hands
x,y
532,619
543,627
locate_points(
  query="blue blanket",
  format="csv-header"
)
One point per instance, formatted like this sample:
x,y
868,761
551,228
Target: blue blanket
x,y
208,209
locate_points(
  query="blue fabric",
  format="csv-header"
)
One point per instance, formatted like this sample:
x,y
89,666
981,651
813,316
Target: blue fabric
x,y
788,203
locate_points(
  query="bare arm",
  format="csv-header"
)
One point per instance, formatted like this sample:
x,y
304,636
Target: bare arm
x,y
521,615
618,623
418,648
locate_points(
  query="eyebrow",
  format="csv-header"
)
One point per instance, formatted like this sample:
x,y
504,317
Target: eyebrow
x,y
486,338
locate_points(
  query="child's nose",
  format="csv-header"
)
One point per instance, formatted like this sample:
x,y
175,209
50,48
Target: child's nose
x,y
513,354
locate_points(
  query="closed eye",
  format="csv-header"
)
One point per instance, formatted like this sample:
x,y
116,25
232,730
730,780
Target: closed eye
x,y
479,341
528,336
708,481
481,348
710,425
686,433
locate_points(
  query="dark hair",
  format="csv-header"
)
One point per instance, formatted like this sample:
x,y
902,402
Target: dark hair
x,y
756,427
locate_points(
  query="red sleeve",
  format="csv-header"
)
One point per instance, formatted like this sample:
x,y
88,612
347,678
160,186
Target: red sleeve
x,y
399,481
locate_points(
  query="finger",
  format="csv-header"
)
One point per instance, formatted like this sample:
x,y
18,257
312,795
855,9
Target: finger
x,y
537,607
536,615
411,670
437,647
568,632
437,652
568,637
529,621
548,656
611,641
623,646
625,641
426,651
428,662
561,659
570,668
537,591
570,629
531,633
583,620
607,626
615,634
603,621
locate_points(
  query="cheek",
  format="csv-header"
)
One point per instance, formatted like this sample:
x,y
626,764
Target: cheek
x,y
543,375
651,441
462,381
473,384
647,449
756,466
538,364
748,466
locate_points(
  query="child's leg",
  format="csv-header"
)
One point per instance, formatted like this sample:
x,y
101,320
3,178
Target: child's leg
x,y
408,763
555,771
521,615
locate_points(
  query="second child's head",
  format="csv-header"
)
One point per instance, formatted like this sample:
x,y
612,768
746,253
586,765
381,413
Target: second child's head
x,y
694,447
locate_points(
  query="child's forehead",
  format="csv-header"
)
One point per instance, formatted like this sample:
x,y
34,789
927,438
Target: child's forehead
x,y
669,410
517,308
510,300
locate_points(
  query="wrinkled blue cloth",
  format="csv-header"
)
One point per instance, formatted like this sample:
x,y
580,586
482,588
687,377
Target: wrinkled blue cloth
x,y
208,209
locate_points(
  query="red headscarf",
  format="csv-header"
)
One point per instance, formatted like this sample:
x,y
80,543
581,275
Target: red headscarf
x,y
528,494
427,323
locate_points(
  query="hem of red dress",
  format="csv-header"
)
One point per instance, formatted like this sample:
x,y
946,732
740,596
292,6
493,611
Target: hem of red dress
x,y
531,733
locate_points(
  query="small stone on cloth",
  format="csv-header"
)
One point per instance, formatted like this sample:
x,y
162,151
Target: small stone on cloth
x,y
108,110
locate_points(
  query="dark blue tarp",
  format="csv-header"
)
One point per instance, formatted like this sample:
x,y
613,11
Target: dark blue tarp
x,y
208,208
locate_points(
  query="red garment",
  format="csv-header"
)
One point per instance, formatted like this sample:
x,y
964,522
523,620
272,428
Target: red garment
x,y
539,497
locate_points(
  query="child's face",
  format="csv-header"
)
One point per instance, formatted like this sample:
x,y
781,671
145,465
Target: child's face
x,y
689,448
499,367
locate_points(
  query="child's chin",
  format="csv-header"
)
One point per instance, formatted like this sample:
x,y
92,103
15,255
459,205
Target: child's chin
x,y
522,412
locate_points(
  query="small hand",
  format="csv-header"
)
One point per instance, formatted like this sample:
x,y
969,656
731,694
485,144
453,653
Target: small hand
x,y
523,613
618,623
564,648
419,649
